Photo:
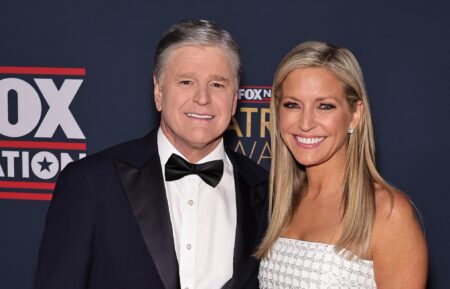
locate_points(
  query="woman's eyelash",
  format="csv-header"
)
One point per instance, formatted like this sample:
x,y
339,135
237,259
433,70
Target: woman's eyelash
x,y
326,105
290,104
322,105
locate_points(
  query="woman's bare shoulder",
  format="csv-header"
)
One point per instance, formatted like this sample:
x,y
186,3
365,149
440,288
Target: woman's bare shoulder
x,y
398,243
393,206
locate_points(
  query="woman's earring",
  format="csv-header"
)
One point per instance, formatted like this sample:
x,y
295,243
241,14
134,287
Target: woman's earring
x,y
350,130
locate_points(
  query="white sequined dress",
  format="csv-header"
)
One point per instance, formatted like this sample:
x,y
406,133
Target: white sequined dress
x,y
309,265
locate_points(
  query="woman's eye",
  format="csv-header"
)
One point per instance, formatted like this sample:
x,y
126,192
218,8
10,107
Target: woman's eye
x,y
290,105
327,106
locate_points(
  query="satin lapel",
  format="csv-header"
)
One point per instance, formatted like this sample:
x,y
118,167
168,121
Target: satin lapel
x,y
146,194
248,210
241,240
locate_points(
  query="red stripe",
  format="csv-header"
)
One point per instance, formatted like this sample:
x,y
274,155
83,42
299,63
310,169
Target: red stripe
x,y
78,71
27,185
256,86
25,196
254,101
43,145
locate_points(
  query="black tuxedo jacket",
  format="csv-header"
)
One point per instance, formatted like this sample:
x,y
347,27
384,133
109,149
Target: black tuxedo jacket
x,y
108,225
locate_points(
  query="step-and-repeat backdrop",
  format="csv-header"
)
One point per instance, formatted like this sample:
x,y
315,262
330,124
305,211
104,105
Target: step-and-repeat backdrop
x,y
76,77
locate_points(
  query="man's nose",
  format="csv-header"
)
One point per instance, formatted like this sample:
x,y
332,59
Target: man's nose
x,y
202,95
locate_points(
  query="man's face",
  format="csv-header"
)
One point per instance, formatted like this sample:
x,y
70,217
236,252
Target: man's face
x,y
196,96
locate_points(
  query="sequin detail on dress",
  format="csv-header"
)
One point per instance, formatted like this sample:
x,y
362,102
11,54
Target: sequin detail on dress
x,y
308,265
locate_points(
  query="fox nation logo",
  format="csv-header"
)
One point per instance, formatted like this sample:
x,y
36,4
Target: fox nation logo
x,y
248,132
39,135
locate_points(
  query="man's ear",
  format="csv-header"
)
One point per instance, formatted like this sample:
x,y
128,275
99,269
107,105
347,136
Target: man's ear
x,y
157,94
357,114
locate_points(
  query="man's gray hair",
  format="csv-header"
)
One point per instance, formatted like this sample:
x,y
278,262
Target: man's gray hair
x,y
195,32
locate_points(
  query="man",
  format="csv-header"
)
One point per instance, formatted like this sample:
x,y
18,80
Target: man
x,y
141,214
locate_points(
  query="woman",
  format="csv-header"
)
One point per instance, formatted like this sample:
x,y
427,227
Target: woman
x,y
334,221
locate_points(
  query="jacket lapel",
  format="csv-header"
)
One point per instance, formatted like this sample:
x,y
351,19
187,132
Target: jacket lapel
x,y
250,196
146,194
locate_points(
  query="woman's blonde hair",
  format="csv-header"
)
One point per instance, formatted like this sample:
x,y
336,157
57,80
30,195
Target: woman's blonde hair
x,y
288,178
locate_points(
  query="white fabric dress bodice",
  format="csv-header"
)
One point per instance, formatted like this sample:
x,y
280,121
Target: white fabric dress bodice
x,y
309,265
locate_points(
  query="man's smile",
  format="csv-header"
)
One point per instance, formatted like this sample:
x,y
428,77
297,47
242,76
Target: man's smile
x,y
199,116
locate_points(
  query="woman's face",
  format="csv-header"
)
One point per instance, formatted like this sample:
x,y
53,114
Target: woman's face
x,y
314,116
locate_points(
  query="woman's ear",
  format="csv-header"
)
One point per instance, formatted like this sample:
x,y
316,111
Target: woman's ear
x,y
357,115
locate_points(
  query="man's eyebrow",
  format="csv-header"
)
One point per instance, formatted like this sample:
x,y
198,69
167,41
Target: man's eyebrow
x,y
185,75
213,76
220,78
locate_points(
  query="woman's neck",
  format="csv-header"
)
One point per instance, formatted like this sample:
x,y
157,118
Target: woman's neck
x,y
327,178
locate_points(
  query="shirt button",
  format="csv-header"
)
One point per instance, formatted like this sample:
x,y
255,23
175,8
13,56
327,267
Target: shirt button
x,y
191,202
188,246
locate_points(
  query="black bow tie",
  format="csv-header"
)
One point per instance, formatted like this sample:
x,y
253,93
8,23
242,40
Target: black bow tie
x,y
210,172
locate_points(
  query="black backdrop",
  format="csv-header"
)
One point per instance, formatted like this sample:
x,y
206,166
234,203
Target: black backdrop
x,y
404,50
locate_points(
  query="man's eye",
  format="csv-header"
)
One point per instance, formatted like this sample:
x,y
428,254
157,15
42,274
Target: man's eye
x,y
185,82
290,105
327,106
218,85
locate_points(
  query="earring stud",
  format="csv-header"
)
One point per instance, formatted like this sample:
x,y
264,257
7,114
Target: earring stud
x,y
351,130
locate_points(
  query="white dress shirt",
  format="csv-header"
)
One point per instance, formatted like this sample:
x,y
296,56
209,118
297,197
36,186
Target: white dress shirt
x,y
203,221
